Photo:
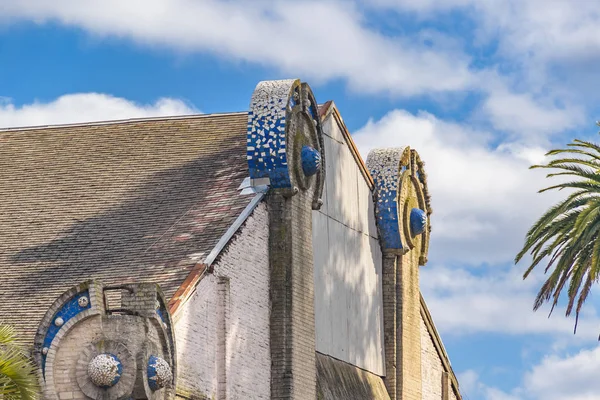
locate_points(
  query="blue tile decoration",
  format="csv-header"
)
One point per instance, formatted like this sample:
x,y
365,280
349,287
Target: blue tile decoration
x,y
76,304
311,160
158,372
402,204
418,221
266,136
384,166
285,140
160,311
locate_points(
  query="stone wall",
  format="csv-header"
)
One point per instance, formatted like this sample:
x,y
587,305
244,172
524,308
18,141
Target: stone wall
x,y
222,331
347,257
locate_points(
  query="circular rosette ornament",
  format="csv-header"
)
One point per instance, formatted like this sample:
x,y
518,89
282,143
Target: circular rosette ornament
x,y
304,144
159,373
413,215
106,369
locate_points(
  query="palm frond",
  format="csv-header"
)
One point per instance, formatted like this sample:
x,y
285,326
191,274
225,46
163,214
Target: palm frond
x,y
18,379
567,235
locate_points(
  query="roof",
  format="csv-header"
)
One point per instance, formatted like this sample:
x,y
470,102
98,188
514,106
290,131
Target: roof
x,y
124,201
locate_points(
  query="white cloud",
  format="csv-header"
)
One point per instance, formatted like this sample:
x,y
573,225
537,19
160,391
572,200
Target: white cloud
x,y
567,377
85,107
471,387
484,198
328,40
533,35
498,300
571,377
318,40
528,118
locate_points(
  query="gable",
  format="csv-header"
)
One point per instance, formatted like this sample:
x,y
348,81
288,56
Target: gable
x,y
347,257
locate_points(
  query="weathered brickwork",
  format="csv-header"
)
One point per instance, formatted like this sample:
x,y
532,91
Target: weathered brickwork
x,y
292,296
438,379
432,368
391,294
410,336
223,330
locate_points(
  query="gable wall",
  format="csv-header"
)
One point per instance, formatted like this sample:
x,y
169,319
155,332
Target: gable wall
x,y
222,332
436,380
347,257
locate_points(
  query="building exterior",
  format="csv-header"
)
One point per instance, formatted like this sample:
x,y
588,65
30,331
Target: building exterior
x,y
249,255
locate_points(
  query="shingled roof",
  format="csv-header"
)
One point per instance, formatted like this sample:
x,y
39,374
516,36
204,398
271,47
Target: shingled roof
x,y
138,200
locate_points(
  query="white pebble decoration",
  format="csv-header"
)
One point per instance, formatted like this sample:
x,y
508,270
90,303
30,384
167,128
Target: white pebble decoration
x,y
159,373
105,370
83,301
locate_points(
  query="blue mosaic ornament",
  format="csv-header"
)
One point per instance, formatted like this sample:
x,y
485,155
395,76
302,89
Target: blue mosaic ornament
x,y
77,304
418,221
311,160
160,312
266,136
158,372
284,139
385,166
401,202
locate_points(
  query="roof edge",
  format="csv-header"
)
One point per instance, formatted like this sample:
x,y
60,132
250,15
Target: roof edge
x,y
186,289
329,108
439,346
119,121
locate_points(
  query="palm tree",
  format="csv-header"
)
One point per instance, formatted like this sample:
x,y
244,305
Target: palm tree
x,y
567,236
17,372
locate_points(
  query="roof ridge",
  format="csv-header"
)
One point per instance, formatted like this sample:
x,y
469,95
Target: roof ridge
x,y
119,121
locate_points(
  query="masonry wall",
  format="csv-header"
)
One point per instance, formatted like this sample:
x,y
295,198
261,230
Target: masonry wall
x,y
435,382
222,332
347,261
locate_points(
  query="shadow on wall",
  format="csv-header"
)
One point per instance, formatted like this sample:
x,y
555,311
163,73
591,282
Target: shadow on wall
x,y
151,234
348,274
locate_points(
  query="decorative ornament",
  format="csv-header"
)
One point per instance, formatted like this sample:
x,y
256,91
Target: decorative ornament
x,y
105,370
311,160
159,373
418,221
59,322
83,301
283,130
45,351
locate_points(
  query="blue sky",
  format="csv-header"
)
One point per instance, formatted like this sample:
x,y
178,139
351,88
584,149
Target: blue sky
x,y
480,88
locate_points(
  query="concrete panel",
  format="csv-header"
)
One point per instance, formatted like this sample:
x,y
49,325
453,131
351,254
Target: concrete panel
x,y
338,266
323,281
351,212
348,309
347,257
366,208
342,187
331,158
331,129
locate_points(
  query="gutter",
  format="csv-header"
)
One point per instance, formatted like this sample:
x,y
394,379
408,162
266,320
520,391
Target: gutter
x,y
200,269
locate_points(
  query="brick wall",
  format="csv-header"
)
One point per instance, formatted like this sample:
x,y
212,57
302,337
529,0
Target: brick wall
x,y
431,366
222,332
292,296
410,337
436,379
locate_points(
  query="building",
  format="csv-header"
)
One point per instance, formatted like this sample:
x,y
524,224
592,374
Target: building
x,y
287,267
